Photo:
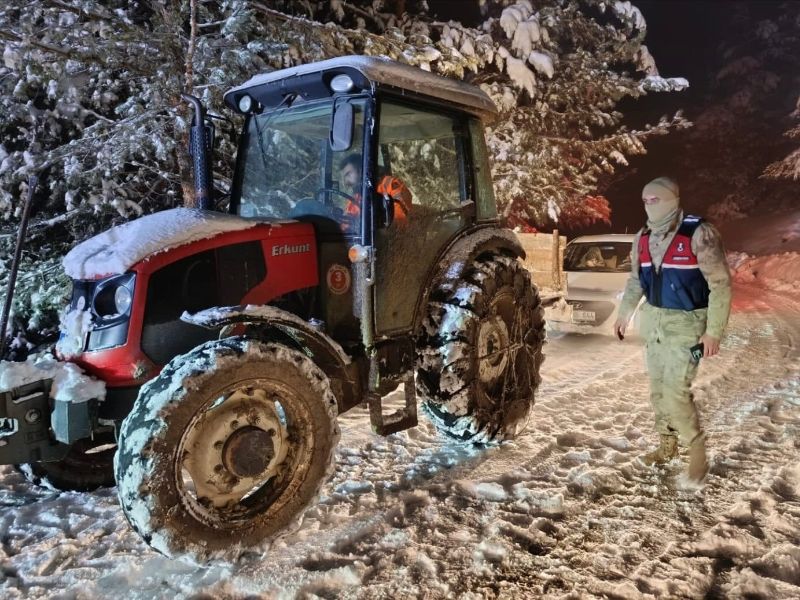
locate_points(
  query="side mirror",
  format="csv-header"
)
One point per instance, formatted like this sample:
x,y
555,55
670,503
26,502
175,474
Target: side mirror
x,y
383,209
341,136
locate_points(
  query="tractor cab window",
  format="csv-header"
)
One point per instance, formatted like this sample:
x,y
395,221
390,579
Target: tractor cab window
x,y
423,162
422,150
289,170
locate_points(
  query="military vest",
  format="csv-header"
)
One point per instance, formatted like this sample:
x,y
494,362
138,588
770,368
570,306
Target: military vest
x,y
678,283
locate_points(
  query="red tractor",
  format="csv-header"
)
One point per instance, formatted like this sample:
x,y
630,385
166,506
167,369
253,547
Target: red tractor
x,y
362,251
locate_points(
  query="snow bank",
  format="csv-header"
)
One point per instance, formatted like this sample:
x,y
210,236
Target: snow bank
x,y
763,234
118,249
780,272
70,384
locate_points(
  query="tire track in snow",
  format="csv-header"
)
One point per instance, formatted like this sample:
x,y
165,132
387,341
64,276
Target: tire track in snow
x,y
614,515
672,514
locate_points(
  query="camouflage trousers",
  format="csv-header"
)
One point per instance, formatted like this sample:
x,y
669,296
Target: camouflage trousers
x,y
668,335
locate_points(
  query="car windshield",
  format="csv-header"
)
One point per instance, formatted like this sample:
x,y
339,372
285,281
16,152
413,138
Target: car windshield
x,y
601,257
289,170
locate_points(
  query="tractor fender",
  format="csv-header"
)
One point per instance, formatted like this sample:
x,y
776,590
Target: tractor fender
x,y
280,325
463,251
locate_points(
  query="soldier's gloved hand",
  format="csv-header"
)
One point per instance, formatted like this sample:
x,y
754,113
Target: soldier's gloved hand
x,y
710,345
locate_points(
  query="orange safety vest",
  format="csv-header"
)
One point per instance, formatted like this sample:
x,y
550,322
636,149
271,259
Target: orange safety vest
x,y
389,186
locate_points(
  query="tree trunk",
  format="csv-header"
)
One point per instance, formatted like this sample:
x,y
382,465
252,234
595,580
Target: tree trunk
x,y
184,164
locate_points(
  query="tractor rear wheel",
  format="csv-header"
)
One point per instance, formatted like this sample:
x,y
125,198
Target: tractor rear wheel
x,y
225,449
88,465
480,352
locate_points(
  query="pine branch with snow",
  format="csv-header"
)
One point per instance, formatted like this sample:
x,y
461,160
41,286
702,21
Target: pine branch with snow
x,y
788,167
744,134
90,92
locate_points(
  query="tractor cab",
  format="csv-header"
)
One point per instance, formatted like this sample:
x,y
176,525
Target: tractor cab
x,y
387,161
304,126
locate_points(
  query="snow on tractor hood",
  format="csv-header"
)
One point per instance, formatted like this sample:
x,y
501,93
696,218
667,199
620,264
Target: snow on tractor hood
x,y
115,251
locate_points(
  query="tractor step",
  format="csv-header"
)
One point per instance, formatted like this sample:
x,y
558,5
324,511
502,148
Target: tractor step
x,y
399,420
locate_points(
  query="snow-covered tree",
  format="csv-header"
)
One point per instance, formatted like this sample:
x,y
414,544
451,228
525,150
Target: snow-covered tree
x,y
739,131
556,70
91,91
90,96
788,167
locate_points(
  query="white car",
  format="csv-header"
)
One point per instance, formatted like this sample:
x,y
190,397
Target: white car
x,y
597,268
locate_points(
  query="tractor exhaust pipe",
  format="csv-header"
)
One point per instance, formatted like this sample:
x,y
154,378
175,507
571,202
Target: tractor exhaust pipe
x,y
201,142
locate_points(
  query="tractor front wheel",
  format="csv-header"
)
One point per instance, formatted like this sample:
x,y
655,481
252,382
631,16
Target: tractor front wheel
x,y
225,449
480,351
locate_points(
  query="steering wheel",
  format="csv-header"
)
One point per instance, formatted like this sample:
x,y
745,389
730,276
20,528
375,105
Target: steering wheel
x,y
306,207
337,192
349,221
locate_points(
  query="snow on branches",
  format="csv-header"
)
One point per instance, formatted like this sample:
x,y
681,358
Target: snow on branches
x,y
94,96
747,133
90,91
788,167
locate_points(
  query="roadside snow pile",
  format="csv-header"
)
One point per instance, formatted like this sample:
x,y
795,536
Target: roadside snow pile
x,y
118,249
780,272
763,234
70,384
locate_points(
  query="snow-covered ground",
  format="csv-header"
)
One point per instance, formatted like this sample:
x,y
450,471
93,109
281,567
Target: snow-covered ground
x,y
564,511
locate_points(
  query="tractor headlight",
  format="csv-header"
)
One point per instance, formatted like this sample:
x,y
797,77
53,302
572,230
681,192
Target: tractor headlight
x,y
113,297
122,299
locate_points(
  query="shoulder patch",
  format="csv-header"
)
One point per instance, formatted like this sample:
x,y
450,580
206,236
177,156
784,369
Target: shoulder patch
x,y
689,225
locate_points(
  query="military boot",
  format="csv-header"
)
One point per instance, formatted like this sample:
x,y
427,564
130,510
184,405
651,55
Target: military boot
x,y
698,462
666,451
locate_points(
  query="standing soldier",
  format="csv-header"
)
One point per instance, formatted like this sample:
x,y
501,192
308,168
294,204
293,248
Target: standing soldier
x,y
679,265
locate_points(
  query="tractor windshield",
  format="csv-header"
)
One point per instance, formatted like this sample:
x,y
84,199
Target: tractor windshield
x,y
289,170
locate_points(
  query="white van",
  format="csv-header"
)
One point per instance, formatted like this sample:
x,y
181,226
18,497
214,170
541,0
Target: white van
x,y
597,268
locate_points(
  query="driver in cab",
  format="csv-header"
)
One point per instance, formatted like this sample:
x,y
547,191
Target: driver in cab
x,y
388,186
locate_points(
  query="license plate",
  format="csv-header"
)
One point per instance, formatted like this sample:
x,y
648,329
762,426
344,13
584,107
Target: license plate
x,y
583,315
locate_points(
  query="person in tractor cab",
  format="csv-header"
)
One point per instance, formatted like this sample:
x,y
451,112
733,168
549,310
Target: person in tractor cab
x,y
387,186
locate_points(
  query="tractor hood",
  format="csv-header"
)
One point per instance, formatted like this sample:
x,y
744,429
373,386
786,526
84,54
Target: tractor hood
x,y
115,251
